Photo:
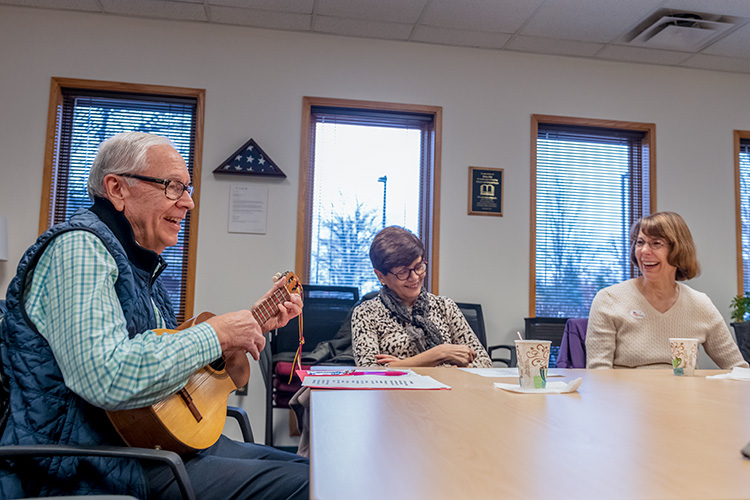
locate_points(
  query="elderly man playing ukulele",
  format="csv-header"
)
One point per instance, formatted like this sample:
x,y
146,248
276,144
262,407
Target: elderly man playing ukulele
x,y
78,341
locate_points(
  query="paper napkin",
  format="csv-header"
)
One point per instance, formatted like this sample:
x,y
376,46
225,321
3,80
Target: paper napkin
x,y
736,374
501,372
552,387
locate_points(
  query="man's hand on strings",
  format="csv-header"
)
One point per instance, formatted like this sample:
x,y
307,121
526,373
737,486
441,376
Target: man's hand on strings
x,y
288,310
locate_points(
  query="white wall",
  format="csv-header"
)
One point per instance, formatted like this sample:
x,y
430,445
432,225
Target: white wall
x,y
255,81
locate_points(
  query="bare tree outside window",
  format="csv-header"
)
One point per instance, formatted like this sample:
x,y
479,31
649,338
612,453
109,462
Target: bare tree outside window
x,y
590,184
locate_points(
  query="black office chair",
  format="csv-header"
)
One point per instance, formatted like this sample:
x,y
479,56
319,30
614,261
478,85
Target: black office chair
x,y
324,310
168,458
541,328
475,318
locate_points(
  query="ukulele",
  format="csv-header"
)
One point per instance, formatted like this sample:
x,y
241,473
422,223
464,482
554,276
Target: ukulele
x,y
193,418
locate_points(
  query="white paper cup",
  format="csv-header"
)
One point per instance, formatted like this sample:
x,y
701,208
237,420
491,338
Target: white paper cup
x,y
533,361
684,356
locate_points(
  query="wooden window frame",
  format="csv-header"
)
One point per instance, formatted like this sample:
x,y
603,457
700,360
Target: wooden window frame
x,y
738,136
304,202
649,141
54,114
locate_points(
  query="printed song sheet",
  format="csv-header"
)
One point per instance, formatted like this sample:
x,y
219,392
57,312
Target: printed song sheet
x,y
368,380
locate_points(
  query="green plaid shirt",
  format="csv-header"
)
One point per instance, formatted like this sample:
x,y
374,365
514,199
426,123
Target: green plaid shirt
x,y
72,302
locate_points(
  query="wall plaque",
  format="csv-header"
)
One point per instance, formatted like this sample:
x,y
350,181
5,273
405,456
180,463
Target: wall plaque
x,y
485,191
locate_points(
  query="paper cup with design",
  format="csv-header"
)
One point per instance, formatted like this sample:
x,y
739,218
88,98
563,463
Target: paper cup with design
x,y
533,361
684,355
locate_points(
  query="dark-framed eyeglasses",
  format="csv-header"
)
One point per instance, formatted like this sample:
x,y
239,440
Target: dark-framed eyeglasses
x,y
404,275
172,189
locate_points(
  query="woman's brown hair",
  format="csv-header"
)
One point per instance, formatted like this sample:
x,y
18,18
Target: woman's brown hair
x,y
394,246
672,228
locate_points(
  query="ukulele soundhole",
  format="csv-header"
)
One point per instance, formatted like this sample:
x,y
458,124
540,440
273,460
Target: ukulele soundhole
x,y
218,364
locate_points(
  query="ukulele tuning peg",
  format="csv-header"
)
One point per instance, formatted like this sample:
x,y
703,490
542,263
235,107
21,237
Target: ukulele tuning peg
x,y
278,276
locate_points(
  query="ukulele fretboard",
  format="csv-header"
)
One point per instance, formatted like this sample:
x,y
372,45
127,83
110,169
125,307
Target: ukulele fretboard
x,y
270,307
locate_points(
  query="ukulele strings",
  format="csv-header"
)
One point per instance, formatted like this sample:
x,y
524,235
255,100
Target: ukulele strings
x,y
202,376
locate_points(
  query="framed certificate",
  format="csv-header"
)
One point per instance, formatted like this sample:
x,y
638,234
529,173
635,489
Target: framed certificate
x,y
486,191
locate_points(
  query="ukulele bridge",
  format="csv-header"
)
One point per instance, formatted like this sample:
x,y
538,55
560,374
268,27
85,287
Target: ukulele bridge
x,y
185,395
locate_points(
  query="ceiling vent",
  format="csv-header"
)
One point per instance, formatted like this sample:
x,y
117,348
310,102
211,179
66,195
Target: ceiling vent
x,y
688,32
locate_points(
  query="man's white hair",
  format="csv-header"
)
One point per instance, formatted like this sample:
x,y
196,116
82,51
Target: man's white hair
x,y
123,153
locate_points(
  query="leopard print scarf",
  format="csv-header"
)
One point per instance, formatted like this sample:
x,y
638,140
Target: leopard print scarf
x,y
421,331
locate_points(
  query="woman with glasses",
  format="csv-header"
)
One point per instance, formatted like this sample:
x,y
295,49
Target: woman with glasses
x,y
405,325
630,323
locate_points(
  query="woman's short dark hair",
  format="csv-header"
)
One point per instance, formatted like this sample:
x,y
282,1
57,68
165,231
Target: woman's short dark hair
x,y
393,247
672,228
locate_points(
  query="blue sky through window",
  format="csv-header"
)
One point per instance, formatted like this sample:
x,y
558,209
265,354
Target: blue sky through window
x,y
351,164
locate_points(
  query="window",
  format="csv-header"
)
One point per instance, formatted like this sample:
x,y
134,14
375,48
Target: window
x,y
84,113
742,190
364,166
591,180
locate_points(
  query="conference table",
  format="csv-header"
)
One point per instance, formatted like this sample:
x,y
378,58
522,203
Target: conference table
x,y
625,434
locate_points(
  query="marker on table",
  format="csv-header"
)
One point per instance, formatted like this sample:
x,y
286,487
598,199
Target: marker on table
x,y
386,372
355,372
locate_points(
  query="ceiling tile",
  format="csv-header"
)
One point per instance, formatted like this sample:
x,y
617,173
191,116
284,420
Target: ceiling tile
x,y
736,44
156,9
553,46
721,7
582,28
504,16
299,6
587,21
718,63
398,11
465,38
638,54
88,5
359,28
260,18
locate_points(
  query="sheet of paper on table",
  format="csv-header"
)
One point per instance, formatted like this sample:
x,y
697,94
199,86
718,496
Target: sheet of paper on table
x,y
501,372
410,380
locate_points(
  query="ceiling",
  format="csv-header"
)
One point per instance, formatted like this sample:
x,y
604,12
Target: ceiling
x,y
715,35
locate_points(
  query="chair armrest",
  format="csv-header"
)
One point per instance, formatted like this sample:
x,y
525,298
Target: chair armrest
x,y
511,360
169,458
244,422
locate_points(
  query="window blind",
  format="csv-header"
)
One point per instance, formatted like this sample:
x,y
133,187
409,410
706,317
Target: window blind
x,y
369,169
591,185
87,118
744,164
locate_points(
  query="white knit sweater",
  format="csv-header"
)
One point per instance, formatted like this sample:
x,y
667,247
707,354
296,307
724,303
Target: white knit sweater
x,y
625,331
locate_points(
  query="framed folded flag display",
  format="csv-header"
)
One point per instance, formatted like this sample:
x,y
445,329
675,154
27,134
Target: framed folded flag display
x,y
250,159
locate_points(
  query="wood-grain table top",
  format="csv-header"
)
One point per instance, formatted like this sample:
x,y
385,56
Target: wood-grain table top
x,y
626,434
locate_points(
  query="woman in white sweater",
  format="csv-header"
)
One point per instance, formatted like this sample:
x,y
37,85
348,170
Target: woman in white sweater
x,y
630,322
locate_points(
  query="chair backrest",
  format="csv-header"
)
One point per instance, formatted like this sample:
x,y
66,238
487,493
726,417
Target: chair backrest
x,y
473,315
4,391
551,329
573,345
325,309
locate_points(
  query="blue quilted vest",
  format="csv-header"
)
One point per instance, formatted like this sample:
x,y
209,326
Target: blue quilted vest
x,y
42,409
